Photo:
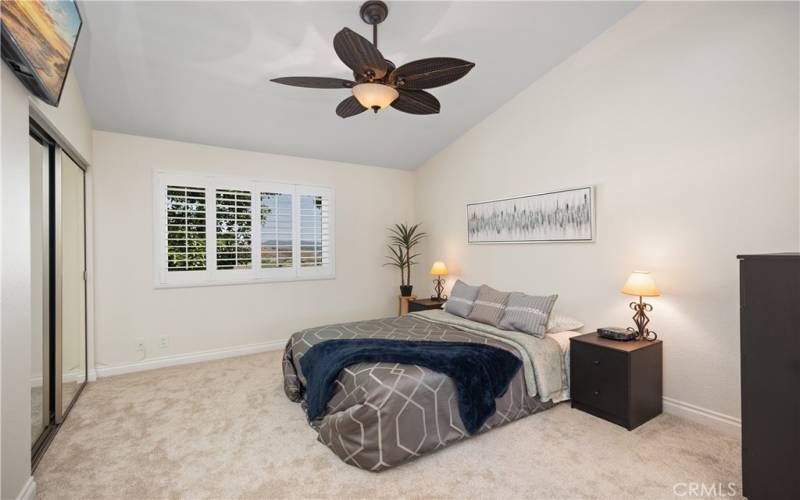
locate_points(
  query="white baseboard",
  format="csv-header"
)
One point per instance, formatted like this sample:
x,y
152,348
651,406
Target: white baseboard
x,y
68,377
184,359
726,423
28,491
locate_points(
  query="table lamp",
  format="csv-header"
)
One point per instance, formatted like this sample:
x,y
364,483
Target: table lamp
x,y
439,269
640,283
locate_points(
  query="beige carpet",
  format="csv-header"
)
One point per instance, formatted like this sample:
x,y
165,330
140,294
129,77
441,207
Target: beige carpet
x,y
224,429
68,390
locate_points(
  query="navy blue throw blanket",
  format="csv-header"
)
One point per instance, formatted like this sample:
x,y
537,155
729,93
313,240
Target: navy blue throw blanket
x,y
481,372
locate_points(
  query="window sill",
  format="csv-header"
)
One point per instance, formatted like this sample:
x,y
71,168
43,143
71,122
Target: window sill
x,y
258,281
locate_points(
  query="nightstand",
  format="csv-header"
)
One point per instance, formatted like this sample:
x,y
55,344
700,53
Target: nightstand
x,y
424,304
402,304
617,381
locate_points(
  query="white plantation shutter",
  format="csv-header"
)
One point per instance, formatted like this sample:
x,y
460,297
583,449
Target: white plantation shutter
x,y
315,212
276,230
234,229
215,230
182,239
185,228
276,216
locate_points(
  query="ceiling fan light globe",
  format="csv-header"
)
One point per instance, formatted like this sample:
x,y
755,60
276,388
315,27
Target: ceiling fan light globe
x,y
375,96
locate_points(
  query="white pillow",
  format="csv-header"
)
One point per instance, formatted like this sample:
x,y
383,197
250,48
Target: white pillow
x,y
562,323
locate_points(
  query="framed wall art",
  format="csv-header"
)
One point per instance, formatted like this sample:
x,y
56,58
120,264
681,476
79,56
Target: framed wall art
x,y
558,216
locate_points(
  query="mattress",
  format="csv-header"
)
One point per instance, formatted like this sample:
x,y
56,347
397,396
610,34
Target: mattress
x,y
563,339
563,342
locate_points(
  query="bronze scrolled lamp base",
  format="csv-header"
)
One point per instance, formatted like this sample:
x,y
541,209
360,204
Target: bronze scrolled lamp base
x,y
641,284
439,269
438,287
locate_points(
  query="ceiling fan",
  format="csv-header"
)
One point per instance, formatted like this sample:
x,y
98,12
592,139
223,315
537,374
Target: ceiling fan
x,y
377,82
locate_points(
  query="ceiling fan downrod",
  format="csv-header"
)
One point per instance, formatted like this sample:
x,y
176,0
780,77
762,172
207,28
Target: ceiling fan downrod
x,y
374,12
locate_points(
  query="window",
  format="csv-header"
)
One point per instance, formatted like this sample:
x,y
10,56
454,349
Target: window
x,y
186,228
220,230
234,229
314,231
277,245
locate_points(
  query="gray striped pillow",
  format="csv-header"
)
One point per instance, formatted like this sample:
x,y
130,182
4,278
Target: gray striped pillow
x,y
528,313
489,306
462,296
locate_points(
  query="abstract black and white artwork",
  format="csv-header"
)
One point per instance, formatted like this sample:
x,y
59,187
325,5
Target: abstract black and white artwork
x,y
547,217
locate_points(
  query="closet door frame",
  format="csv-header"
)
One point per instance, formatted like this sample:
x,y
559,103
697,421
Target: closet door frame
x,y
52,277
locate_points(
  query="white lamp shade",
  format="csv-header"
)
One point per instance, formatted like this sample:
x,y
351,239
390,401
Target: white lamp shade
x,y
438,268
372,95
640,283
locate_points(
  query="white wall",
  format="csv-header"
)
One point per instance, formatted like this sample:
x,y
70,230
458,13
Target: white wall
x,y
128,306
70,119
73,128
685,118
15,300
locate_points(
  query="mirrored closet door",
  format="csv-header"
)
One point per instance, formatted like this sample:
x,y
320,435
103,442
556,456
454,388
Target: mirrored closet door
x,y
70,267
58,258
40,397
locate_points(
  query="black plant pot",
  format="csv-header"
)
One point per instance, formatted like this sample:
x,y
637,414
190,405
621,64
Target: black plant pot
x,y
405,290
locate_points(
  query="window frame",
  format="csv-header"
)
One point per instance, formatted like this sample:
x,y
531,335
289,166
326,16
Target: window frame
x,y
211,276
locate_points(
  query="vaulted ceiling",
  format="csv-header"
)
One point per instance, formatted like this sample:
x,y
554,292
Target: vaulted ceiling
x,y
199,71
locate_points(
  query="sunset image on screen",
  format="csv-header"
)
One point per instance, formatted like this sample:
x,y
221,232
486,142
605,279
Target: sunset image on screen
x,y
45,32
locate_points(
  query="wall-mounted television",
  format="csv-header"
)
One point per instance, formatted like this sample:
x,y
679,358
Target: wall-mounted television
x,y
39,38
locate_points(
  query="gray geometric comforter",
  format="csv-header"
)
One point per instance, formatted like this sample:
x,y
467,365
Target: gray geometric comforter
x,y
384,414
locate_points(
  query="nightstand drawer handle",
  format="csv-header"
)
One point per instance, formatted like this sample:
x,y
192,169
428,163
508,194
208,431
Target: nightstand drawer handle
x,y
596,361
596,393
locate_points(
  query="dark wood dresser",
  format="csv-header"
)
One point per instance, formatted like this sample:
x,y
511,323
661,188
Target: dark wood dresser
x,y
616,381
769,294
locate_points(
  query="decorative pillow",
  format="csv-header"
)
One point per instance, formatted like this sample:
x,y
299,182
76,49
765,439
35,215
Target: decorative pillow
x,y
489,306
461,299
562,323
528,313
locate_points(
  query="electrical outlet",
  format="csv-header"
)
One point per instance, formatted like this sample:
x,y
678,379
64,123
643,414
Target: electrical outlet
x,y
163,342
140,346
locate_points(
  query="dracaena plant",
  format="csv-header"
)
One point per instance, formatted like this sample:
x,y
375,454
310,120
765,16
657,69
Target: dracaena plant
x,y
402,240
397,258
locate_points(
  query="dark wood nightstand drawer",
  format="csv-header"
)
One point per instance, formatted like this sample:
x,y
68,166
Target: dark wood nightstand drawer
x,y
424,304
617,381
602,379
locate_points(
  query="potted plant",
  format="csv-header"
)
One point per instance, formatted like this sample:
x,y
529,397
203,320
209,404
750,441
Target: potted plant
x,y
402,240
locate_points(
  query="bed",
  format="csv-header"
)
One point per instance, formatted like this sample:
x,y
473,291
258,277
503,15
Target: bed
x,y
384,414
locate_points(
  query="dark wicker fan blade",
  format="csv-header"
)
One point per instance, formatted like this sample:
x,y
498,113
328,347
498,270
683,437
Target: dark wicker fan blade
x,y
430,73
315,82
416,102
349,107
359,54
